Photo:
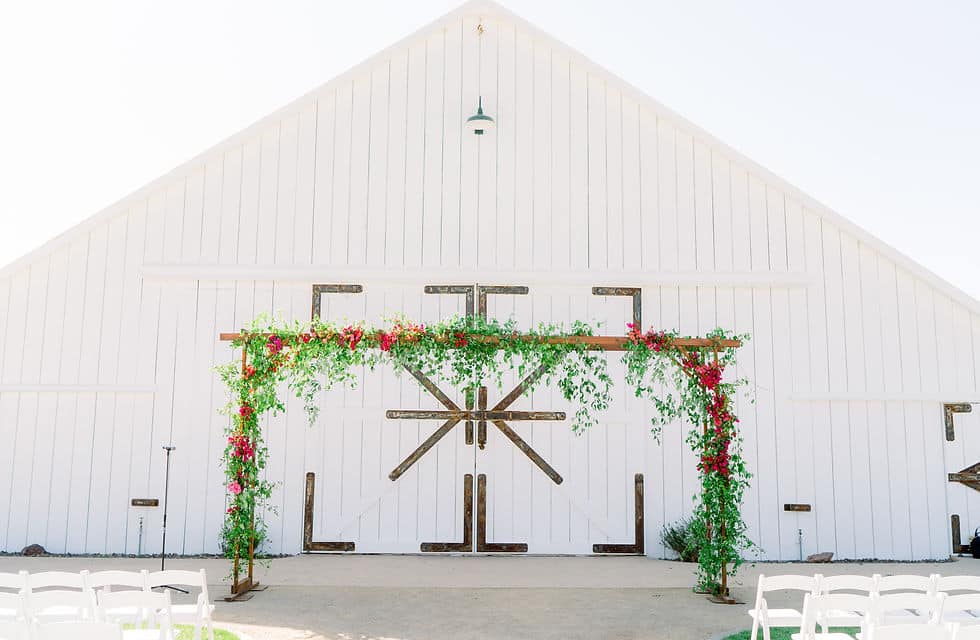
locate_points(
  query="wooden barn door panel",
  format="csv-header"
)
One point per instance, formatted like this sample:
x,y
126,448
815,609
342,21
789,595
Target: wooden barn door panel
x,y
584,494
962,464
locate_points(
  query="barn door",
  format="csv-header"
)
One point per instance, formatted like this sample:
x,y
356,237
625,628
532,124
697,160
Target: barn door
x,y
541,488
398,475
962,436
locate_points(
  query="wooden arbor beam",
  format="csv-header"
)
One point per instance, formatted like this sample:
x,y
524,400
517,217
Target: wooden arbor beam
x,y
594,343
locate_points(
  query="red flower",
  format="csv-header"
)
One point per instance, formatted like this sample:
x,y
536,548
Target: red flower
x,y
386,341
245,411
461,340
305,337
243,447
709,375
350,336
249,371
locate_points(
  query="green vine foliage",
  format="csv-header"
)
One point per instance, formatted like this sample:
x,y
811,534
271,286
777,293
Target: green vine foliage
x,y
465,353
689,384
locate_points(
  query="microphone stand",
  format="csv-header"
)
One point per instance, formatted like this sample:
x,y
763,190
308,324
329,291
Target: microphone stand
x,y
166,498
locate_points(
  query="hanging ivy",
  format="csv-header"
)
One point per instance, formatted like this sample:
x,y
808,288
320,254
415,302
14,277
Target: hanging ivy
x,y
465,353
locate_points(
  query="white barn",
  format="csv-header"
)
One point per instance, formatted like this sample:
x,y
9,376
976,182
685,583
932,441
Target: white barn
x,y
109,333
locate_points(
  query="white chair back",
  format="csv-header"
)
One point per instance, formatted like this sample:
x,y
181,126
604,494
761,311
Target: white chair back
x,y
177,577
858,584
898,608
834,610
60,606
948,584
106,580
137,608
13,582
910,632
905,584
15,631
807,584
60,580
79,631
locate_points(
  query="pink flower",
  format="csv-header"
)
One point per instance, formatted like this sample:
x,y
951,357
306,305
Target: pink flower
x,y
274,345
234,487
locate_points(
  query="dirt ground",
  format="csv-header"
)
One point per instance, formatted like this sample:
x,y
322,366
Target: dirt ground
x,y
334,597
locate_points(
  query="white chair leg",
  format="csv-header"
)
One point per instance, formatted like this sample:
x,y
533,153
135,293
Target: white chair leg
x,y
755,625
210,629
197,630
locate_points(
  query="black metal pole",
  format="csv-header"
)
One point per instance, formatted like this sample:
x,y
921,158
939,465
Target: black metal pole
x,y
166,496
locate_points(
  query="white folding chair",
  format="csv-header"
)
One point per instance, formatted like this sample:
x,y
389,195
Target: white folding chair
x,y
105,581
959,608
915,609
11,607
825,610
910,632
778,617
856,585
15,631
77,630
60,580
198,614
59,606
148,611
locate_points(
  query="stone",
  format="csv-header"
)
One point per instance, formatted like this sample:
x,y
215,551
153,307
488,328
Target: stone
x,y
826,556
33,550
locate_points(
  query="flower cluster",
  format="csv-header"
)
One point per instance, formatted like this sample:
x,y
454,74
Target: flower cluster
x,y
351,336
242,447
656,340
403,333
274,344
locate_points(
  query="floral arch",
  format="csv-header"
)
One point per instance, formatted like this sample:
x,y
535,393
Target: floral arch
x,y
683,377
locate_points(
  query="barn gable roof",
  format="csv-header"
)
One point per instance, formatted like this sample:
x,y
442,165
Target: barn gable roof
x,y
492,10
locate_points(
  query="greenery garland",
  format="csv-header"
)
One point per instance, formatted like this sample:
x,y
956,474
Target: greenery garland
x,y
465,352
654,365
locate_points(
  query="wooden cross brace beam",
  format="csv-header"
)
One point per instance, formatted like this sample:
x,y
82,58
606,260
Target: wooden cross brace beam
x,y
498,415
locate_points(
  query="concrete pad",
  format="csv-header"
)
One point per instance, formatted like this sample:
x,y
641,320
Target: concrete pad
x,y
363,597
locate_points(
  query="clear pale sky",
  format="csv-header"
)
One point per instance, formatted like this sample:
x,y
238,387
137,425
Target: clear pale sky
x,y
871,107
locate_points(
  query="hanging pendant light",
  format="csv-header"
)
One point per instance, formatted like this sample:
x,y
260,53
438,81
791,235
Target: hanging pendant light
x,y
480,122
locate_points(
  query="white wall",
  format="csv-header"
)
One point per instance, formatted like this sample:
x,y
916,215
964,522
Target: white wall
x,y
108,338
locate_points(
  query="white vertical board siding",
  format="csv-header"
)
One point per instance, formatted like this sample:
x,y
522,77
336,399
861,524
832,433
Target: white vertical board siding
x,y
101,364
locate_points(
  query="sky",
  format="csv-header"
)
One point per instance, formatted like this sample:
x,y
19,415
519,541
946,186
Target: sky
x,y
872,108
